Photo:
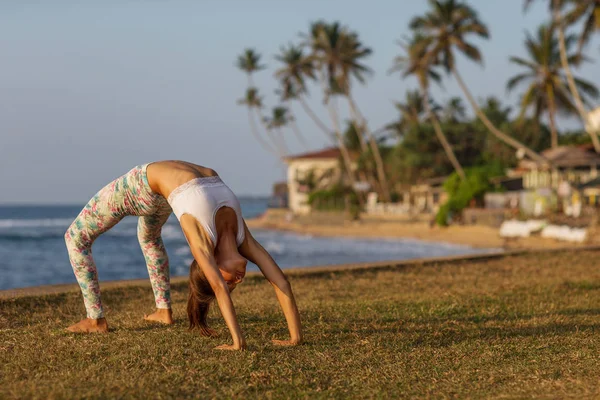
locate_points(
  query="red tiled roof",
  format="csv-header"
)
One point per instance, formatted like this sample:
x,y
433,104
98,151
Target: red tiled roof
x,y
327,153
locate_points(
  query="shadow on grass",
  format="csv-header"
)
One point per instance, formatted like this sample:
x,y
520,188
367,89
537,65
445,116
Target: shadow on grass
x,y
452,336
443,333
479,319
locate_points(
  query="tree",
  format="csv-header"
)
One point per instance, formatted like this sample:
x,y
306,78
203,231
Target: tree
x,y
454,110
249,62
532,133
340,54
313,40
589,12
442,29
414,63
412,113
253,101
582,8
547,91
278,120
297,67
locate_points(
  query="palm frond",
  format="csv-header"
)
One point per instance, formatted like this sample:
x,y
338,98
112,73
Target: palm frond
x,y
517,79
587,87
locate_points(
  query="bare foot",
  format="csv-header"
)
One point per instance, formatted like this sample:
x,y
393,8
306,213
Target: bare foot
x,y
89,325
162,315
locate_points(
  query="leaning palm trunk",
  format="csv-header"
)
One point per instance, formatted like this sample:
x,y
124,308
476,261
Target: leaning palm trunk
x,y
281,139
257,136
366,175
358,126
571,82
361,138
313,116
374,149
339,138
280,150
552,113
254,130
344,151
297,132
495,131
342,146
441,137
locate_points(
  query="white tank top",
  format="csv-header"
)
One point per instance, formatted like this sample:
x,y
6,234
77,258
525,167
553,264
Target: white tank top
x,y
202,198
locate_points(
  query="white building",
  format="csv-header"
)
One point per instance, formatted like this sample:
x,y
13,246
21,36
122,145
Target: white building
x,y
594,120
573,164
319,168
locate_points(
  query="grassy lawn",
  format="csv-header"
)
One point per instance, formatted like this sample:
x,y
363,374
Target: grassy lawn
x,y
519,327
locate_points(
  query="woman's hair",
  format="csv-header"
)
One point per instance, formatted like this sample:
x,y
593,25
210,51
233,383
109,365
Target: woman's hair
x,y
199,299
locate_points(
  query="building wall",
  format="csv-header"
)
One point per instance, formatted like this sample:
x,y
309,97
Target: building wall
x,y
535,179
297,169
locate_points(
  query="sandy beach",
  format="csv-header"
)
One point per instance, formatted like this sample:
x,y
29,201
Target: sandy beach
x,y
471,235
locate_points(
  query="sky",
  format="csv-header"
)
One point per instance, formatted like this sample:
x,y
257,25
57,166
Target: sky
x,y
90,89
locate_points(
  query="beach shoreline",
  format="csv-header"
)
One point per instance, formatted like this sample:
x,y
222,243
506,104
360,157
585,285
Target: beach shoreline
x,y
44,290
335,225
476,236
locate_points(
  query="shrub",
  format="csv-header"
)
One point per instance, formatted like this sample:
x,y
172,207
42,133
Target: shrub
x,y
461,192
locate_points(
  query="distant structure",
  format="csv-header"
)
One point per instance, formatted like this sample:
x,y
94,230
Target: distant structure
x,y
279,196
594,120
572,164
310,171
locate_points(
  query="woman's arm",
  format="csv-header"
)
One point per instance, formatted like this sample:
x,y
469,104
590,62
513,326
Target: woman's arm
x,y
254,252
201,248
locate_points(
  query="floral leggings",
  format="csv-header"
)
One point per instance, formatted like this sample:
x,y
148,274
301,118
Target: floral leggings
x,y
129,194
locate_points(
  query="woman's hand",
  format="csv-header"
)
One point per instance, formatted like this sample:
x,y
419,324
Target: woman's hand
x,y
254,252
240,346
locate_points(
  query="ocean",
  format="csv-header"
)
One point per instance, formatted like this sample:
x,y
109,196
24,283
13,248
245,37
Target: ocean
x,y
33,252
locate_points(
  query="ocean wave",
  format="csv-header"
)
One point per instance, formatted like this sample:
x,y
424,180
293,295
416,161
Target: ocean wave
x,y
23,237
275,248
182,251
170,231
35,223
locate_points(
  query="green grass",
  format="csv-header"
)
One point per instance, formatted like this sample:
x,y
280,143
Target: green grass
x,y
519,327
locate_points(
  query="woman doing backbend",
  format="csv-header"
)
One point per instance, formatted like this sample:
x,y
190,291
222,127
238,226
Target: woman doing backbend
x,y
211,220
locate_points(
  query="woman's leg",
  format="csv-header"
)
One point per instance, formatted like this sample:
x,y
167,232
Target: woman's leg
x,y
96,218
157,261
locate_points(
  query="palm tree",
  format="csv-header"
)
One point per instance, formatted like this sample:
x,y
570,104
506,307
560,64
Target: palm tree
x,y
330,46
253,101
339,52
443,28
582,8
454,110
548,88
589,12
313,41
496,112
411,113
296,68
285,115
275,123
286,94
249,62
412,109
414,63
